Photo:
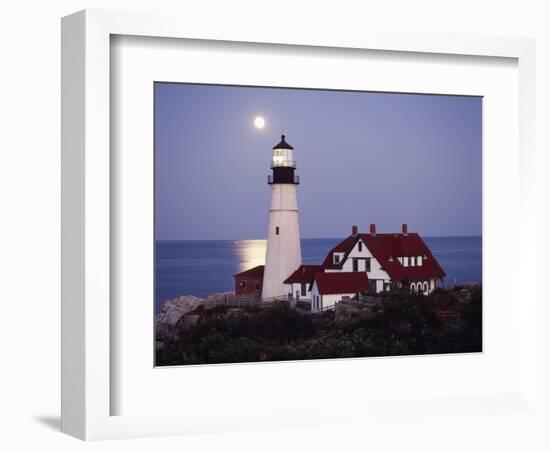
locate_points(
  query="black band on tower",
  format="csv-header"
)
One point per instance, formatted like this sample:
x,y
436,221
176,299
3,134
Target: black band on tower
x,y
283,175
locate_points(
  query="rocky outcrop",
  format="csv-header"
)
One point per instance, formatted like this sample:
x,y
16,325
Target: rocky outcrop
x,y
175,314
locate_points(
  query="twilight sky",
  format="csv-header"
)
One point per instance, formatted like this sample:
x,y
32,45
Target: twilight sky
x,y
362,158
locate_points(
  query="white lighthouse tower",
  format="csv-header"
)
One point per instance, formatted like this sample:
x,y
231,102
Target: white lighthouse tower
x,y
283,255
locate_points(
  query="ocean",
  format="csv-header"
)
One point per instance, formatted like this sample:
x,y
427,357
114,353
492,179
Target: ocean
x,y
202,268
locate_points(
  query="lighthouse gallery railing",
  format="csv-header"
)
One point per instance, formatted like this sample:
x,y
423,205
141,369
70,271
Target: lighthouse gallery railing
x,y
296,179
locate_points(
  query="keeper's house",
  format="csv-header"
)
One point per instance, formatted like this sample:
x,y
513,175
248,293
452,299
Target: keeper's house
x,y
386,261
389,259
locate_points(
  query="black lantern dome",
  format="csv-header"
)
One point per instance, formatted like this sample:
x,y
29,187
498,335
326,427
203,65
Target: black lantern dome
x,y
283,144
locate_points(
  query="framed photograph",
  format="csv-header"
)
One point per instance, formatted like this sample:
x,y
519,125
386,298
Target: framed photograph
x,y
250,221
225,295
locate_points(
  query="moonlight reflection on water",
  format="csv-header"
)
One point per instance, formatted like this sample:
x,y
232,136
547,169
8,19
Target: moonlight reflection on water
x,y
250,253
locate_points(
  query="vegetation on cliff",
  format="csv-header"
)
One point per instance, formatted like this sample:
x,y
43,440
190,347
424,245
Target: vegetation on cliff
x,y
398,323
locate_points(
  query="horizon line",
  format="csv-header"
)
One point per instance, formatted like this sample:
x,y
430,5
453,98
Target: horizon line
x,y
318,238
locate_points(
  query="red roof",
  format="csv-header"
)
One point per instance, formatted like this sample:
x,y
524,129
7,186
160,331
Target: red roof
x,y
386,248
342,282
343,247
255,272
304,274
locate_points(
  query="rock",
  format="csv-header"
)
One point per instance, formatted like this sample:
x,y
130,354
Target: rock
x,y
172,313
186,321
221,296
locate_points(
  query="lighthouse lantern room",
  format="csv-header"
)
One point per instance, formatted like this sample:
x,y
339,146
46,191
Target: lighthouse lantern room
x,y
283,254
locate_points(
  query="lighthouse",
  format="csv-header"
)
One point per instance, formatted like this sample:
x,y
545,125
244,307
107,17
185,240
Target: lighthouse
x,y
283,253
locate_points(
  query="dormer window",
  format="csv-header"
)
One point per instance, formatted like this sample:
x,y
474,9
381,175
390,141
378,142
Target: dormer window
x,y
413,261
360,246
336,258
405,261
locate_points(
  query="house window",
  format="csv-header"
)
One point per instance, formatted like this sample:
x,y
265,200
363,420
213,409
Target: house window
x,y
336,259
373,285
359,246
257,286
413,261
405,261
242,284
419,260
304,289
367,265
276,230
355,265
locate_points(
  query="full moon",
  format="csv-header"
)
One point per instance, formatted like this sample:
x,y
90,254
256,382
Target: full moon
x,y
259,122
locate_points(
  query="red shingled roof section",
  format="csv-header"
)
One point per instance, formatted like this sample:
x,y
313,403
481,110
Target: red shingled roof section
x,y
389,246
304,274
255,272
342,282
343,247
384,246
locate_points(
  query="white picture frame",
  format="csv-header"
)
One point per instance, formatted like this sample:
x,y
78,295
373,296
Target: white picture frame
x,y
86,240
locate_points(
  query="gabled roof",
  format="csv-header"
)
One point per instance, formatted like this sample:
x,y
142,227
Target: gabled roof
x,y
343,247
304,274
283,144
255,272
342,282
386,248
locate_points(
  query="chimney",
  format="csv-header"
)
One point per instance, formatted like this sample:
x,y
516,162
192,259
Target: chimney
x,y
373,229
405,229
354,230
